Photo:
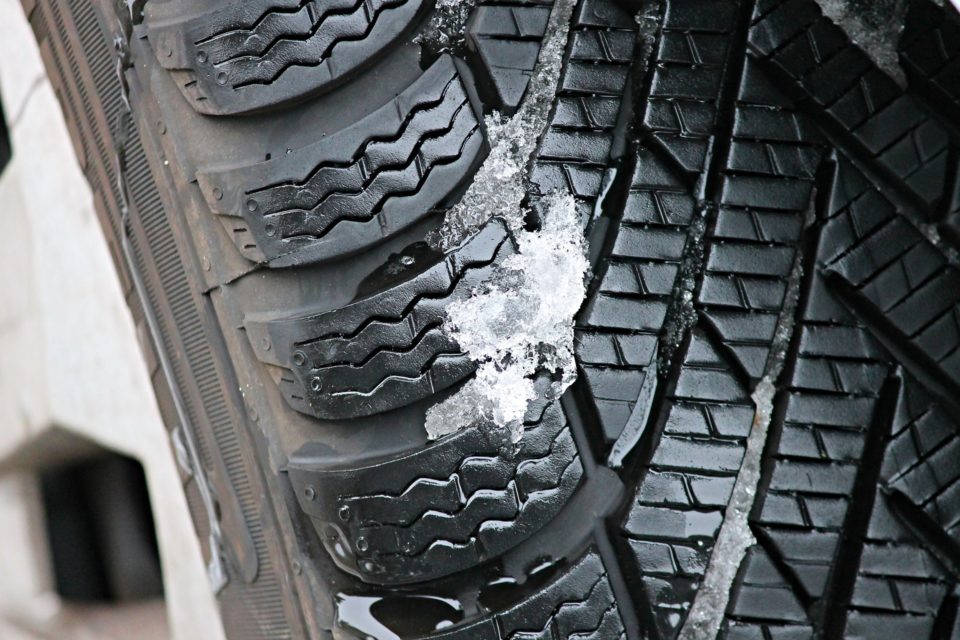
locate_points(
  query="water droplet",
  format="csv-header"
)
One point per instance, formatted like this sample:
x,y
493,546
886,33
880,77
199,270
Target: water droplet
x,y
388,618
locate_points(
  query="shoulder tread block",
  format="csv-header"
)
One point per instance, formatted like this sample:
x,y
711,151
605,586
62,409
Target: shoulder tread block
x,y
444,508
361,185
243,56
579,604
385,350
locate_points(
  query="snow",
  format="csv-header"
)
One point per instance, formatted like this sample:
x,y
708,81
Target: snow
x,y
519,323
682,315
447,28
874,25
499,185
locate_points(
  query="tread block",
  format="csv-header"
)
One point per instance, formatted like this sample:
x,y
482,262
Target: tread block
x,y
506,41
578,604
383,350
675,517
909,282
841,85
617,329
930,54
814,469
681,110
899,584
900,581
920,462
241,56
347,191
764,594
590,94
446,507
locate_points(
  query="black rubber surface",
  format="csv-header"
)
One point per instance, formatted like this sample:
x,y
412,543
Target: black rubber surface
x,y
760,199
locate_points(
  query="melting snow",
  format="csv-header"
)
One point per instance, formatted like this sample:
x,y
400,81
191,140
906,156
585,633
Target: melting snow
x,y
447,28
519,322
874,25
499,185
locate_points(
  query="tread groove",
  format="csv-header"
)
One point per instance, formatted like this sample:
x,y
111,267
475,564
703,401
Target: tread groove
x,y
840,585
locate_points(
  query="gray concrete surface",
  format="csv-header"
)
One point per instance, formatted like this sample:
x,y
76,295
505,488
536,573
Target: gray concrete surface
x,y
71,369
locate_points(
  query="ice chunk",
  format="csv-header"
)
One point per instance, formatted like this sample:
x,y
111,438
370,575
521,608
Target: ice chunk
x,y
499,185
874,25
447,28
519,322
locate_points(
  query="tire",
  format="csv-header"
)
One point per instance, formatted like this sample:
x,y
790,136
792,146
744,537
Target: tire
x,y
763,438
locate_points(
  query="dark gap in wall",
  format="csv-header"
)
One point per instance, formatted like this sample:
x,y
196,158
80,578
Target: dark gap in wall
x,y
100,529
6,152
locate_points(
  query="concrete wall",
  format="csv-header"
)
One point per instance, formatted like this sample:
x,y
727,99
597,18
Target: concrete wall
x,y
70,365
